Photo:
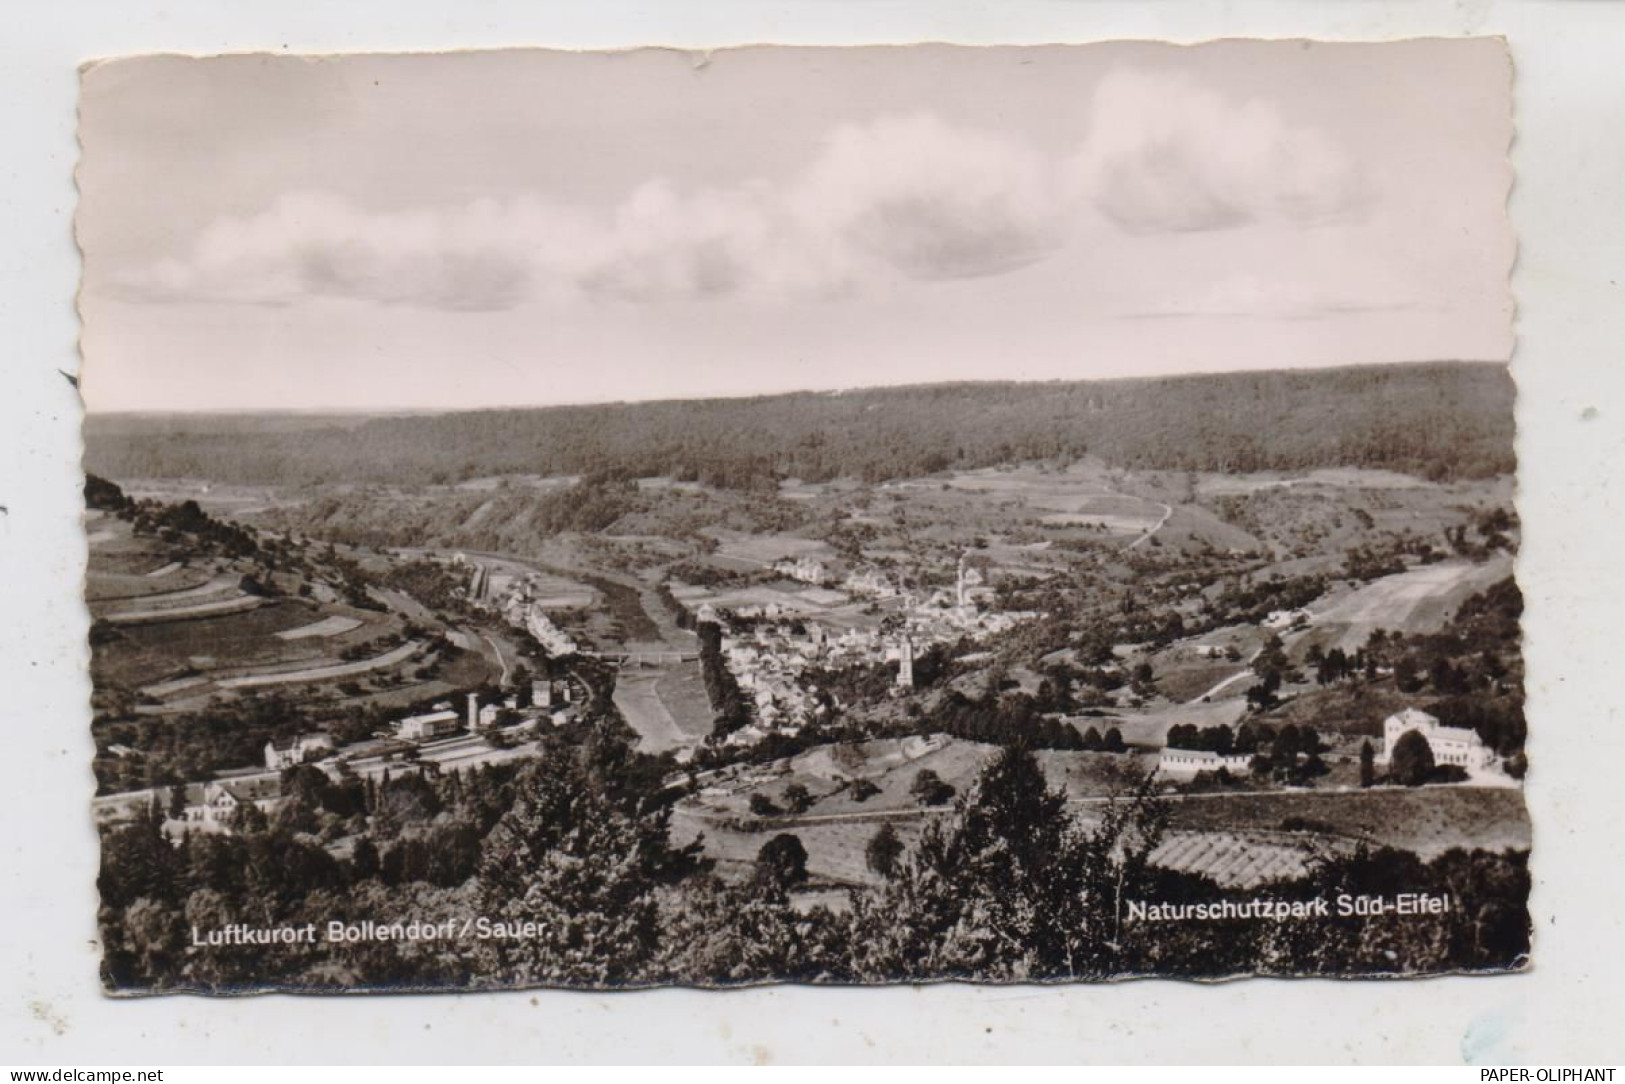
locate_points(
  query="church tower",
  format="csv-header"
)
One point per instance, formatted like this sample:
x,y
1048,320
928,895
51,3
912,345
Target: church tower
x,y
905,664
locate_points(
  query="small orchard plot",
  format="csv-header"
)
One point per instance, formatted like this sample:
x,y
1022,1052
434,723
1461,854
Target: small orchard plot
x,y
891,766
1245,859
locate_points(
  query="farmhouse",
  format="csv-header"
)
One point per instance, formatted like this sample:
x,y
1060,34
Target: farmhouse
x,y
806,569
288,752
1449,744
423,727
870,583
222,800
1186,763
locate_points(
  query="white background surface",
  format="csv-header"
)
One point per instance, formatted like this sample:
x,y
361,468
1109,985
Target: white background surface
x,y
1569,211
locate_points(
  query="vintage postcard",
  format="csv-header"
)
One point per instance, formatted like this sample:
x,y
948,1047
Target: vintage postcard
x,y
838,515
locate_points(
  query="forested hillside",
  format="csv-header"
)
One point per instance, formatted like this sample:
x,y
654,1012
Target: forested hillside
x,y
1441,421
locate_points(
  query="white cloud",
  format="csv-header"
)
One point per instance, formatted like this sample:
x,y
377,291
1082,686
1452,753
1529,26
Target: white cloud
x,y
912,197
930,200
479,256
1164,152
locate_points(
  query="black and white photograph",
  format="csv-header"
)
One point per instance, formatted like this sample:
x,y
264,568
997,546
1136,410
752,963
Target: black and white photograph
x,y
818,515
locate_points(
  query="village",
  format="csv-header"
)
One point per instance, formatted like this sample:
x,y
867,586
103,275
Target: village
x,y
771,648
786,682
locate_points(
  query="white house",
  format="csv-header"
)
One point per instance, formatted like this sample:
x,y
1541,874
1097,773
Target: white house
x,y
288,752
423,727
1186,763
221,800
1450,744
806,569
870,583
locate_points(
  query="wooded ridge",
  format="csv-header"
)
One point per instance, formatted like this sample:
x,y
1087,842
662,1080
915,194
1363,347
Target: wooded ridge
x,y
1438,420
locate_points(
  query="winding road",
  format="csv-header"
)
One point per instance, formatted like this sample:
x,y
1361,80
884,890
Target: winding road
x,y
1167,514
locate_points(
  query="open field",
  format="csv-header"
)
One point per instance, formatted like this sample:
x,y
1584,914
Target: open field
x,y
1420,600
1193,679
762,550
681,687
1149,727
638,698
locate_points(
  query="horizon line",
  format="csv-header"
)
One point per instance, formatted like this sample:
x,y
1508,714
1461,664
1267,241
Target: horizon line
x,y
383,411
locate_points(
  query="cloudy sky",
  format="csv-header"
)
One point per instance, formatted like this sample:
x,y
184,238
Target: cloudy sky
x,y
534,227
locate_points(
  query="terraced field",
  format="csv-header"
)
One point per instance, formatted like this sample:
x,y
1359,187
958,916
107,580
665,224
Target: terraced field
x,y
332,672
327,626
218,607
